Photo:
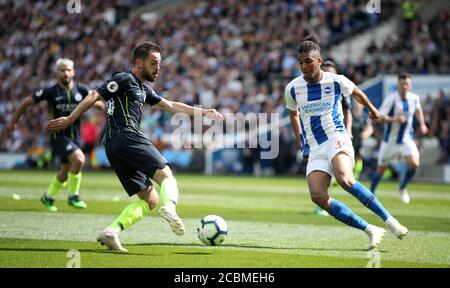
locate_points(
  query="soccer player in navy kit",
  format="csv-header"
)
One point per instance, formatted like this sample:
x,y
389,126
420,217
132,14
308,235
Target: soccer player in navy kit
x,y
61,98
134,159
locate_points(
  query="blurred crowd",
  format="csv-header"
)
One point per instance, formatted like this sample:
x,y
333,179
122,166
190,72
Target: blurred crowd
x,y
232,55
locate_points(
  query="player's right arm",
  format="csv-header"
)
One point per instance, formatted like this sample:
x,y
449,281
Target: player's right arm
x,y
106,91
387,105
292,107
24,105
62,123
295,124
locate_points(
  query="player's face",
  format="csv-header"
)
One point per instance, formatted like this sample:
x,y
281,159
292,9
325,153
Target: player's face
x,y
65,74
404,85
310,64
150,67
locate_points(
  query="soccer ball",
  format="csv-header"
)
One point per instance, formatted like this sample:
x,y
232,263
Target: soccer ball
x,y
213,230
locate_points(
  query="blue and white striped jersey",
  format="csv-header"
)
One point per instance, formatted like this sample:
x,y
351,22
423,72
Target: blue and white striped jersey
x,y
319,106
393,105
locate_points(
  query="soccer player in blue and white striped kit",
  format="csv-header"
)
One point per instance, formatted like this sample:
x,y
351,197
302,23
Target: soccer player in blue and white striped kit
x,y
314,104
397,112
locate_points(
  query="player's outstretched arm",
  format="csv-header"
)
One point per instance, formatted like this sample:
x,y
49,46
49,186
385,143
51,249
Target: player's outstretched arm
x,y
27,102
178,107
362,99
64,122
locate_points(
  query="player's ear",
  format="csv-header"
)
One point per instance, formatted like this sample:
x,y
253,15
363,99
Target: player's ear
x,y
139,62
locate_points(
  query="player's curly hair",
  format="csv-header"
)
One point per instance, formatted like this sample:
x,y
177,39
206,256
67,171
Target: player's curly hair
x,y
142,50
308,44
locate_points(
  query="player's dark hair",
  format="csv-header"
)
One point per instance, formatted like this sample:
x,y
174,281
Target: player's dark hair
x,y
404,75
308,44
142,50
329,63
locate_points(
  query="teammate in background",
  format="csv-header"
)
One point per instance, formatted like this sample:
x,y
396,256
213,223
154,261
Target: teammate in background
x,y
329,66
62,98
397,112
134,159
314,105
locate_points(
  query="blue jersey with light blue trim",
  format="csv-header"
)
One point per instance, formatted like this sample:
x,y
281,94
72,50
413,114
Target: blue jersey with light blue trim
x,y
393,105
319,106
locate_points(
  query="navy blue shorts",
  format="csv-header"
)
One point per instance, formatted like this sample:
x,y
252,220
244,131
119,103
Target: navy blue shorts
x,y
62,147
134,159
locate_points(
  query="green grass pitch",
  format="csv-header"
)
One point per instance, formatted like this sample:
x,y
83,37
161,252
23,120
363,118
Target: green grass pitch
x,y
271,224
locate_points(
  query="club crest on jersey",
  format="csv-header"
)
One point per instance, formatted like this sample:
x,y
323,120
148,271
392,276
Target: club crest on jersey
x,y
112,86
327,90
68,147
78,97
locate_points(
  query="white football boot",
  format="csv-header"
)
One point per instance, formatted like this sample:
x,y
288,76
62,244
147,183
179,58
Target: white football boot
x,y
170,215
376,234
396,228
404,195
110,238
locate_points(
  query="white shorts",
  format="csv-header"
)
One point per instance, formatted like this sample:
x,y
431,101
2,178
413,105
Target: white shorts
x,y
390,153
320,157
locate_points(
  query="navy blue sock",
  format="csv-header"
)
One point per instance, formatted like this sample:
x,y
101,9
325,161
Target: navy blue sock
x,y
346,216
375,180
369,200
408,176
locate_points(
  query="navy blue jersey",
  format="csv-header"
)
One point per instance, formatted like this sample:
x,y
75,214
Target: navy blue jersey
x,y
124,95
61,102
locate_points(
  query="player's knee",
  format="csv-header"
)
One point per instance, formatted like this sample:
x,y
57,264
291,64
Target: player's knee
x,y
320,199
162,174
62,176
81,159
78,160
345,181
414,164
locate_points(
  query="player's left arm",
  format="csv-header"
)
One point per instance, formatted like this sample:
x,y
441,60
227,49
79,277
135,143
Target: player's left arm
x,y
62,123
362,99
421,119
178,107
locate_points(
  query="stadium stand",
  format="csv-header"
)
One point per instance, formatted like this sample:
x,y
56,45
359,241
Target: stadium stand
x,y
221,54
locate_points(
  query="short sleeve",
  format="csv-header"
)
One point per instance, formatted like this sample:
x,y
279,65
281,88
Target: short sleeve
x,y
418,106
40,95
83,90
151,97
289,96
113,86
386,105
347,86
